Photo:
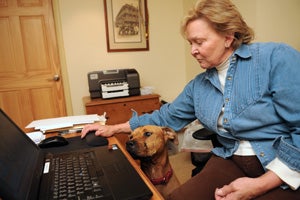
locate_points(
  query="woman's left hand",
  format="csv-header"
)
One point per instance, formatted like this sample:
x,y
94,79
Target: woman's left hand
x,y
240,189
248,188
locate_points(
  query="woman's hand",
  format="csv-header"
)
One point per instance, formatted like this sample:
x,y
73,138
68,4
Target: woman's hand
x,y
100,130
248,188
240,189
106,130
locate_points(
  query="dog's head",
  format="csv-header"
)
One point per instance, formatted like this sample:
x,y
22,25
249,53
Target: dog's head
x,y
148,141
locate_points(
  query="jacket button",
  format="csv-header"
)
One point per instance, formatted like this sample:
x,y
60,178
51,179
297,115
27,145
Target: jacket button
x,y
262,154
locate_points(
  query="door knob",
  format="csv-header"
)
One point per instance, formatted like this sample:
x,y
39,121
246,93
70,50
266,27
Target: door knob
x,y
56,77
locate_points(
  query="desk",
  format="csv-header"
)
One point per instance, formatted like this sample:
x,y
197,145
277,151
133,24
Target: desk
x,y
156,194
114,140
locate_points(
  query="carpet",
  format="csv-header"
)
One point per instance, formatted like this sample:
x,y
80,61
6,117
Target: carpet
x,y
182,165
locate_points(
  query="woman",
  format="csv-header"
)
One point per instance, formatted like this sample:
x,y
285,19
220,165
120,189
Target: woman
x,y
249,96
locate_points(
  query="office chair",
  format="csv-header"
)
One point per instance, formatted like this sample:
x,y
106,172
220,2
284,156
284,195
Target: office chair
x,y
199,159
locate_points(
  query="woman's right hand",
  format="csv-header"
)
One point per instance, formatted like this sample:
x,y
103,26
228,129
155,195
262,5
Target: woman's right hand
x,y
106,130
100,130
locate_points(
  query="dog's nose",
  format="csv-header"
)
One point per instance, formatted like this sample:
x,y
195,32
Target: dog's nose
x,y
130,143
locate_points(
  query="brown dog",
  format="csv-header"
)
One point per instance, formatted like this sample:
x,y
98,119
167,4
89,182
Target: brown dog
x,y
149,145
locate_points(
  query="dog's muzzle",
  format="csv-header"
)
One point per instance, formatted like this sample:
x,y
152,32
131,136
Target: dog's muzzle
x,y
130,146
132,149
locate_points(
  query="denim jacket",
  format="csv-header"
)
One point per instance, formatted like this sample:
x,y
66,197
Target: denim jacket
x,y
261,102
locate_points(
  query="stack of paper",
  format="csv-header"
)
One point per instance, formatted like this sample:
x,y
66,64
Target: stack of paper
x,y
60,123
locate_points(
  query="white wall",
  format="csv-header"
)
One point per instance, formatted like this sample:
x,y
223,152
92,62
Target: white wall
x,y
273,20
84,42
168,64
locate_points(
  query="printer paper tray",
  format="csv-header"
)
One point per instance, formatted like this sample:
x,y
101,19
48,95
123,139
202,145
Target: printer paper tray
x,y
106,95
114,87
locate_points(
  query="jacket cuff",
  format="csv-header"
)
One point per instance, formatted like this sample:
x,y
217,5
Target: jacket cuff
x,y
134,121
287,175
287,153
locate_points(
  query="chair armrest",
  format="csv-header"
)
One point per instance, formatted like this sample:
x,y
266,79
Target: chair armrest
x,y
202,134
205,134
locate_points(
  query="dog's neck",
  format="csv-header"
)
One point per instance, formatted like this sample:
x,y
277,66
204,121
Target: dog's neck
x,y
157,168
162,180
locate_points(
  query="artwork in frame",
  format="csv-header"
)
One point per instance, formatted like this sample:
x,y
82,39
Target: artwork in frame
x,y
126,25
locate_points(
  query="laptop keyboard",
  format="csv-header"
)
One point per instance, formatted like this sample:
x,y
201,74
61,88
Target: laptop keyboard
x,y
75,176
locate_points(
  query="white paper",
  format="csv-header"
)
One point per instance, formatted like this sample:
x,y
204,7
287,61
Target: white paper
x,y
36,136
64,122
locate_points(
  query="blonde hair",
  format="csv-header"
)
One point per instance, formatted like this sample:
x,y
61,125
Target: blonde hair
x,y
224,17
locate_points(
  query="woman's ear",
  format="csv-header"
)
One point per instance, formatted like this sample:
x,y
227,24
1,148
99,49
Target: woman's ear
x,y
228,40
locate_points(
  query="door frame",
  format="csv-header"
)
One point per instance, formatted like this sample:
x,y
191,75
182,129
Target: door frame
x,y
62,57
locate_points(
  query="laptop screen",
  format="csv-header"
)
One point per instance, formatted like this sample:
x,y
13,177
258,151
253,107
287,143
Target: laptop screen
x,y
18,157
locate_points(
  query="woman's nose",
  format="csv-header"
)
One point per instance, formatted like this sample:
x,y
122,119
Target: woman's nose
x,y
194,51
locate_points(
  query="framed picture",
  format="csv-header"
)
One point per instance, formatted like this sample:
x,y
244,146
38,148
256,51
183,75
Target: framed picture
x,y
126,25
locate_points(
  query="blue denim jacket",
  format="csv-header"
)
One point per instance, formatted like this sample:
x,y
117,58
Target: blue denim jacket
x,y
261,100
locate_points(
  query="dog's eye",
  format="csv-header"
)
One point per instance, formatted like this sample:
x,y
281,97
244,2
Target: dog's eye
x,y
147,134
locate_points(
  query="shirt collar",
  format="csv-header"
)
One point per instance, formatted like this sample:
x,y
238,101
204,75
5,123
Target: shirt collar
x,y
243,51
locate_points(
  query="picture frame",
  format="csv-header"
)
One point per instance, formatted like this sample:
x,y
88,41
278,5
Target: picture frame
x,y
126,24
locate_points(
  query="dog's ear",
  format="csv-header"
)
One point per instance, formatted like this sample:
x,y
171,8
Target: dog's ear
x,y
171,135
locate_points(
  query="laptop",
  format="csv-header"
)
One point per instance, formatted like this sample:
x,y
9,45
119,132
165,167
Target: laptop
x,y
28,172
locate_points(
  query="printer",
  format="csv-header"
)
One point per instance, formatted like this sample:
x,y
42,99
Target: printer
x,y
114,83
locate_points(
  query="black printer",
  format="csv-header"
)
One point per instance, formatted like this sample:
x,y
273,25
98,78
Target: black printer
x,y
114,83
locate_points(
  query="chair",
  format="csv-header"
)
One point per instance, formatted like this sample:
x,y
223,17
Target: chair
x,y
199,159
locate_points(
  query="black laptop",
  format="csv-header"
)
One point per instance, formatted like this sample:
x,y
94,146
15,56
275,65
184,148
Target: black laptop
x,y
28,172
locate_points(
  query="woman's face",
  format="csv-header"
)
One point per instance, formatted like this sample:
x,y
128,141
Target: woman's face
x,y
207,46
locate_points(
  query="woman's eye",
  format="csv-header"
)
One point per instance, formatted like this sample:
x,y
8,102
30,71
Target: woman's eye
x,y
199,43
147,134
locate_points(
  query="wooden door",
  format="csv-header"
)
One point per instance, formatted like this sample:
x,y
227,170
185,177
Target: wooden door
x,y
30,75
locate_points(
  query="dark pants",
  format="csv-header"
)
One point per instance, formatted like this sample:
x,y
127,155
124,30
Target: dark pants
x,y
219,172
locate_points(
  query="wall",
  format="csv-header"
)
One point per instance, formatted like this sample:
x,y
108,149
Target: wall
x,y
168,65
273,20
84,43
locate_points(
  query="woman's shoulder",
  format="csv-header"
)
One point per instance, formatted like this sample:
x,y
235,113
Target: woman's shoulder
x,y
267,46
266,49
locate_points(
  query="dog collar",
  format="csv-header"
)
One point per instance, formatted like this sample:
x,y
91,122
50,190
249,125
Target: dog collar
x,y
163,180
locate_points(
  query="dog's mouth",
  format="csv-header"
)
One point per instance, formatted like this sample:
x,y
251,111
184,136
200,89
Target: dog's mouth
x,y
143,159
131,148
